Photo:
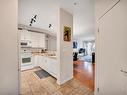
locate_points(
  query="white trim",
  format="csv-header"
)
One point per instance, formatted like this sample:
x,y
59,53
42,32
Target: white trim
x,y
108,9
64,81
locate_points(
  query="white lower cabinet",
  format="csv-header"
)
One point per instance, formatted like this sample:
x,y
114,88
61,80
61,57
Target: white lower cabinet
x,y
53,67
35,60
40,60
46,63
42,63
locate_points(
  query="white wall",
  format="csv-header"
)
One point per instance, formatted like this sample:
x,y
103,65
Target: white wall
x,y
46,11
65,49
83,18
8,48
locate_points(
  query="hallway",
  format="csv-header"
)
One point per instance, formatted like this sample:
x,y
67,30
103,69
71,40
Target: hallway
x,y
84,72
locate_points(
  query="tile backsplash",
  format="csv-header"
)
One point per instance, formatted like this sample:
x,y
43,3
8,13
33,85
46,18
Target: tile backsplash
x,y
38,50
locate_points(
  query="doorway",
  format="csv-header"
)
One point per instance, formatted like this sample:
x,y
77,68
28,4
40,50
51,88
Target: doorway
x,y
32,79
84,66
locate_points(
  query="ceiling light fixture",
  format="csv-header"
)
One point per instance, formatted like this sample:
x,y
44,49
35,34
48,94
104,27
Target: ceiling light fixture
x,y
33,20
50,25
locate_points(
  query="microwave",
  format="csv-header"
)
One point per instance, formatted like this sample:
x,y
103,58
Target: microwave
x,y
24,43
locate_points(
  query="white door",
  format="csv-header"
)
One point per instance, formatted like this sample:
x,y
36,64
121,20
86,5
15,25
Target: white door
x,y
113,51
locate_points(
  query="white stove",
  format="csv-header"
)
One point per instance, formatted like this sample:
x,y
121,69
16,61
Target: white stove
x,y
26,56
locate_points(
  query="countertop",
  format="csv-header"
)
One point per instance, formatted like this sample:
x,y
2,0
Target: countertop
x,y
46,55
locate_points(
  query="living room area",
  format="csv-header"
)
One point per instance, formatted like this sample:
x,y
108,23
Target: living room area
x,y
84,61
84,44
84,50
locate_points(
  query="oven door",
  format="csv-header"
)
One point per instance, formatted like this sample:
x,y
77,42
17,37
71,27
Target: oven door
x,y
26,61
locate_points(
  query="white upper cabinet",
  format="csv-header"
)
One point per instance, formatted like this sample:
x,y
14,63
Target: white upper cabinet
x,y
41,40
38,40
52,43
102,6
25,35
34,39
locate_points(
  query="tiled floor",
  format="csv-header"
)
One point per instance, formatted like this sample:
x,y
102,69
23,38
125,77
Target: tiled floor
x,y
31,84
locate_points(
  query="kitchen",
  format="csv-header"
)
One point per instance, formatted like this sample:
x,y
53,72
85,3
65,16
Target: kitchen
x,y
46,52
37,49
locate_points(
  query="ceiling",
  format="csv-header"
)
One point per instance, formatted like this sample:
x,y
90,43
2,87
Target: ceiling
x,y
82,10
83,14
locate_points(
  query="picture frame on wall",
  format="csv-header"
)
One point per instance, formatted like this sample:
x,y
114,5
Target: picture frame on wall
x,y
67,33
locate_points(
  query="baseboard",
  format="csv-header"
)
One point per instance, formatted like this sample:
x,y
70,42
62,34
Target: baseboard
x,y
64,81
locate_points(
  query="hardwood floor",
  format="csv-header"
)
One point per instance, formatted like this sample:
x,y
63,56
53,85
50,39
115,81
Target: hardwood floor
x,y
84,72
31,84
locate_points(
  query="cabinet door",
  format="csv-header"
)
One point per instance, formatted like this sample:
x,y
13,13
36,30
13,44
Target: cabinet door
x,y
35,60
54,66
42,62
22,34
47,61
27,35
34,39
41,40
53,44
38,40
50,67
